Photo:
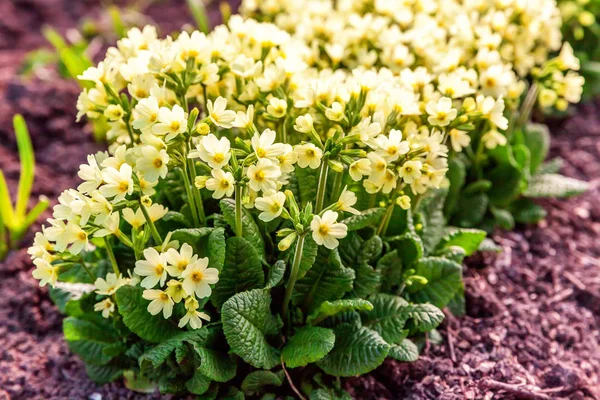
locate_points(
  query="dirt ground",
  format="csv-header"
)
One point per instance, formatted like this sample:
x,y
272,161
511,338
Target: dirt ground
x,y
532,329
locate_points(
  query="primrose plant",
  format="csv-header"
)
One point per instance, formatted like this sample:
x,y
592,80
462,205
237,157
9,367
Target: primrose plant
x,y
15,219
255,220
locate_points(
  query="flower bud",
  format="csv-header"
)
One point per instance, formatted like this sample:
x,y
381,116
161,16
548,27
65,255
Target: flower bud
x,y
403,202
287,241
146,201
202,128
200,181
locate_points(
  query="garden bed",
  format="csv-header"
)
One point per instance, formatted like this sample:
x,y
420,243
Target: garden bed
x,y
532,328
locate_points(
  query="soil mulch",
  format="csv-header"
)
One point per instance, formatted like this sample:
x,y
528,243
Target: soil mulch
x,y
532,329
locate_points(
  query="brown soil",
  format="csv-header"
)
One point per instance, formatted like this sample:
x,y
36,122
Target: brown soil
x,y
532,328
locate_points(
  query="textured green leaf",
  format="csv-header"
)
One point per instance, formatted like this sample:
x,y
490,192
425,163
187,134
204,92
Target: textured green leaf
x,y
331,308
425,316
554,185
134,309
470,210
191,236
551,166
246,320
276,274
329,394
431,212
456,175
327,280
159,353
371,250
390,268
216,248
506,179
444,278
468,239
255,381
503,218
357,351
198,384
370,217
89,340
309,254
367,281
409,247
406,351
249,227
307,181
242,271
308,345
525,211
537,140
388,316
214,365
102,374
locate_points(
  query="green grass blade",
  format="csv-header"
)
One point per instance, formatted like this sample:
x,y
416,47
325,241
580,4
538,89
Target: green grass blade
x,y
27,165
35,212
117,21
55,38
6,208
199,13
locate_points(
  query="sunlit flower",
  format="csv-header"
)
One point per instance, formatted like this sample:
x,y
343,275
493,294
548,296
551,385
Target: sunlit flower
x,y
218,113
106,306
160,301
221,184
271,206
197,277
153,268
309,155
326,231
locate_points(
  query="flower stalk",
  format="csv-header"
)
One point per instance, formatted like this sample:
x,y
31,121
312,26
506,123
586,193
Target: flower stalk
x,y
153,230
293,274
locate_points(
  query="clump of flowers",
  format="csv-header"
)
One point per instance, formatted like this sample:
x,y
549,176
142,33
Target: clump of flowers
x,y
498,54
233,167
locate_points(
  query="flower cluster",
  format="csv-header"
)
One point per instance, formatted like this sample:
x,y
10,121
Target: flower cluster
x,y
268,122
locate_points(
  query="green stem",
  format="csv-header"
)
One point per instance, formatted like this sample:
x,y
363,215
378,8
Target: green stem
x,y
238,210
527,105
337,185
293,274
111,256
190,196
386,219
322,186
150,223
196,193
87,269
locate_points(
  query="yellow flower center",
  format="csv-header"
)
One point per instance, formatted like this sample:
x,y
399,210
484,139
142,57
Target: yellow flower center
x,y
159,269
197,276
123,186
141,93
158,163
490,81
260,152
82,236
153,117
225,184
259,176
441,115
164,297
392,150
323,230
310,153
219,157
175,125
181,265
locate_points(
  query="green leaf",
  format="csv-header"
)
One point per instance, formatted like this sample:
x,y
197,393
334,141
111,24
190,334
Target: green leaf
x,y
276,274
198,384
158,354
367,281
27,159
309,254
554,185
191,236
331,308
102,374
537,140
369,217
357,351
444,278
432,218
242,271
89,340
551,166
214,365
470,210
406,351
425,316
503,218
307,180
526,211
388,317
506,184
329,394
390,269
371,249
409,247
456,175
246,320
308,345
327,280
249,227
134,309
468,239
255,381
216,249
